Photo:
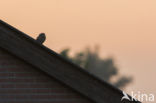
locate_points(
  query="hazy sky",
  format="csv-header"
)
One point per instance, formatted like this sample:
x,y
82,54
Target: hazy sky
x,y
124,29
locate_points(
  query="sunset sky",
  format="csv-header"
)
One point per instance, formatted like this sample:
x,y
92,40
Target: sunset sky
x,y
124,29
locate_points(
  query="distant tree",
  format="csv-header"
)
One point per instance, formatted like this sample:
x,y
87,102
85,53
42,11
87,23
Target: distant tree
x,y
102,68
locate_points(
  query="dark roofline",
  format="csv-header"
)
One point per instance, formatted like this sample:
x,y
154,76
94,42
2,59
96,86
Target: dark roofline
x,y
41,57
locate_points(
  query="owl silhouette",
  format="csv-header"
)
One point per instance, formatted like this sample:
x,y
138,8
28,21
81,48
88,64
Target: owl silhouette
x,y
41,38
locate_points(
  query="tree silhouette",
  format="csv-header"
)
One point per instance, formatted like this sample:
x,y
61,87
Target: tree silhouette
x,y
102,68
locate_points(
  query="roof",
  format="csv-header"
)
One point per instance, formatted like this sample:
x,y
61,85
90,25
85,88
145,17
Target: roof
x,y
41,57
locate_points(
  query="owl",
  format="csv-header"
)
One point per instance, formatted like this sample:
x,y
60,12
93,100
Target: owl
x,y
41,38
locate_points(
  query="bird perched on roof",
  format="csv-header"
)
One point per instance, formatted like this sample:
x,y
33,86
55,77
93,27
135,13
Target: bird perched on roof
x,y
41,38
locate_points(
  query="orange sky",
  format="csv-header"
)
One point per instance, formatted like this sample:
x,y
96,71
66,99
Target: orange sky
x,y
124,29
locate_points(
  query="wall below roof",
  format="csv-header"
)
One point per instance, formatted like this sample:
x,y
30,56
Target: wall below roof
x,y
21,83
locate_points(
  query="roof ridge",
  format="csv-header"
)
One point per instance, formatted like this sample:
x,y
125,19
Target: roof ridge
x,y
90,80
